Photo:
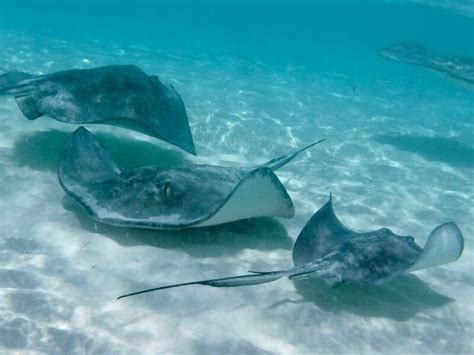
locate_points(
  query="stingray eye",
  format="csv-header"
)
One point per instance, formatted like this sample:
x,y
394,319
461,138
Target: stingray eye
x,y
164,189
154,81
167,189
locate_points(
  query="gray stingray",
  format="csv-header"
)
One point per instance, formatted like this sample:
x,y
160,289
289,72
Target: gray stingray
x,y
173,198
458,67
327,250
120,95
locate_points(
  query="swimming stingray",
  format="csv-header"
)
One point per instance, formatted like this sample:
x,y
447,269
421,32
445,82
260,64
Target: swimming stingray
x,y
458,67
120,95
172,198
327,250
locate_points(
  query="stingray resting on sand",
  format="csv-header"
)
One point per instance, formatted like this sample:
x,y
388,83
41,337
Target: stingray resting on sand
x,y
327,250
186,196
458,67
119,95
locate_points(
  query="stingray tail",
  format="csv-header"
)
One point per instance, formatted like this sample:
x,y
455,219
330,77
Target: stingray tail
x,y
16,83
302,274
277,163
244,280
15,90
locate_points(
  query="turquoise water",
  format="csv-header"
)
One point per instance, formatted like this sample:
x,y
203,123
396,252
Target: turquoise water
x,y
257,80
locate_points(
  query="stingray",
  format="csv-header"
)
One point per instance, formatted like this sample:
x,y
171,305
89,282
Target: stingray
x,y
458,67
120,95
173,198
327,250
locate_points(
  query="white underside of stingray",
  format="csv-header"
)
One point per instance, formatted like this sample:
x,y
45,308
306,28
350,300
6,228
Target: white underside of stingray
x,y
257,196
444,245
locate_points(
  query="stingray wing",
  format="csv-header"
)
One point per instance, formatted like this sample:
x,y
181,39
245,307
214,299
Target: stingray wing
x,y
444,245
24,87
84,159
320,234
176,198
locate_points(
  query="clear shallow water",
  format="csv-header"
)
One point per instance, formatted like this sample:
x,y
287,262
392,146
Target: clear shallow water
x,y
257,80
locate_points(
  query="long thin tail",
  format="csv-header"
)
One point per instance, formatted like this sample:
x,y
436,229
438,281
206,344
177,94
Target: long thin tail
x,y
16,90
277,163
16,83
244,280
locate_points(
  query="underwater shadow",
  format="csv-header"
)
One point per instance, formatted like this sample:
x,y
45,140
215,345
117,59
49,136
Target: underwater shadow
x,y
440,149
264,233
400,299
41,151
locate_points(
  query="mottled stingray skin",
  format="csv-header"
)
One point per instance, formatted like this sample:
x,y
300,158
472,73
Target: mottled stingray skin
x,y
173,198
120,95
327,250
458,67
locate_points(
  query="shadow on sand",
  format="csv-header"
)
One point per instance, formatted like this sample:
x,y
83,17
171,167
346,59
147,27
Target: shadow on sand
x,y
41,151
400,299
441,149
257,233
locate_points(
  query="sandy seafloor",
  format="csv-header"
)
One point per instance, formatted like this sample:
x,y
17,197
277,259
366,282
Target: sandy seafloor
x,y
399,154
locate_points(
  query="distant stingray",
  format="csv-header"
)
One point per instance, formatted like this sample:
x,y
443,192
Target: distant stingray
x,y
458,67
172,198
120,95
327,250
